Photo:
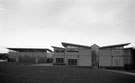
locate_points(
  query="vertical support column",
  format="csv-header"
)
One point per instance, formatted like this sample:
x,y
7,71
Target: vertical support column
x,y
78,56
36,60
65,57
54,60
111,58
17,59
54,54
123,63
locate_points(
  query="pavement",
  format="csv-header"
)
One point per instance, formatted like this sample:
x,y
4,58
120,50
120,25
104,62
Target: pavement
x,y
123,72
42,64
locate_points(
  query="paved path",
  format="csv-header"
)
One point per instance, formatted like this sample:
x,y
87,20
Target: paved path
x,y
43,64
123,72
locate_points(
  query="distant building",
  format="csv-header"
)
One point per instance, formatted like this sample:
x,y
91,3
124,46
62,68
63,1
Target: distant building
x,y
31,55
92,56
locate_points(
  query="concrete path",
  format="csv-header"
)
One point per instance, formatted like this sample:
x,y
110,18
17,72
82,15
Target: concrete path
x,y
43,64
123,72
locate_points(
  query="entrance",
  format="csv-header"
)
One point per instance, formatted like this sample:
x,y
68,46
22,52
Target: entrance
x,y
94,56
94,59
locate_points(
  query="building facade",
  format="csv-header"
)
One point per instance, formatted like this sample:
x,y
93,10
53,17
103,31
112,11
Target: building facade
x,y
92,56
29,55
130,56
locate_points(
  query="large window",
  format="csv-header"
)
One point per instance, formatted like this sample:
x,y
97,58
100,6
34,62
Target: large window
x,y
117,61
60,50
72,50
72,47
72,61
60,60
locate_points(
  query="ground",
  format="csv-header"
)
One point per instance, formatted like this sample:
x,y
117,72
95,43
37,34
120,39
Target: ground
x,y
24,73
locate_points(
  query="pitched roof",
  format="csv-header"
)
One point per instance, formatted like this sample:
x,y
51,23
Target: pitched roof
x,y
116,45
76,45
57,47
129,48
30,49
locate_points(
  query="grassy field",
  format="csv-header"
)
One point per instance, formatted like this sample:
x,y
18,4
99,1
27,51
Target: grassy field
x,y
24,73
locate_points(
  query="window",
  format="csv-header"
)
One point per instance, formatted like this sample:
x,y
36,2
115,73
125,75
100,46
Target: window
x,y
117,47
73,50
59,50
72,47
60,60
72,61
117,61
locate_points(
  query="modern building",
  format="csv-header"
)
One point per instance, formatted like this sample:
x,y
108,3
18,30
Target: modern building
x,y
31,55
130,56
92,56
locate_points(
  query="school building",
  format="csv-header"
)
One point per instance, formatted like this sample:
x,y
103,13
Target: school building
x,y
93,56
29,55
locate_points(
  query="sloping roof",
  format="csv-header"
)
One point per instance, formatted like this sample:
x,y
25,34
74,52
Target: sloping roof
x,y
116,45
57,47
129,48
76,45
30,49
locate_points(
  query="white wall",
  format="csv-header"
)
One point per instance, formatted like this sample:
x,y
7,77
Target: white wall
x,y
84,52
105,61
84,60
84,57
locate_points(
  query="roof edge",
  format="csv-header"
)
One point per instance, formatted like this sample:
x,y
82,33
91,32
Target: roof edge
x,y
124,44
72,44
57,47
14,49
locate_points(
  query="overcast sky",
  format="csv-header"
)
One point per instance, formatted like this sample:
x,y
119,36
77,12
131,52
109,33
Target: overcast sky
x,y
46,23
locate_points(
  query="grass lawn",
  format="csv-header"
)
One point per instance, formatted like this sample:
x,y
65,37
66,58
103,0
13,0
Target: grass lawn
x,y
24,73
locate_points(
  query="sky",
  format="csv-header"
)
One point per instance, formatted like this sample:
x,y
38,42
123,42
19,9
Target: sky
x,y
46,23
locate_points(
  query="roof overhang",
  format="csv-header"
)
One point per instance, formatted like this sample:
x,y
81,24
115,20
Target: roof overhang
x,y
76,45
30,49
117,45
57,47
129,48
